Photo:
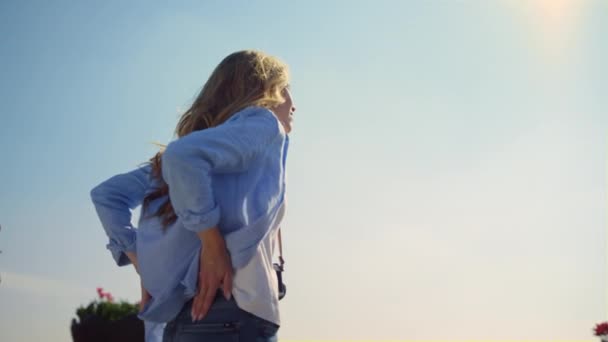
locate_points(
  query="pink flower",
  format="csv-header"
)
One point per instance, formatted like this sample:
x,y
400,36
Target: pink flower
x,y
108,296
100,292
601,329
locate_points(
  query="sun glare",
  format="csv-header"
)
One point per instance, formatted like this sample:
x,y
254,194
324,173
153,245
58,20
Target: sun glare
x,y
554,24
556,15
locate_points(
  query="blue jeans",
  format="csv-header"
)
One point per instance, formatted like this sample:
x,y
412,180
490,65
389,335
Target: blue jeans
x,y
224,322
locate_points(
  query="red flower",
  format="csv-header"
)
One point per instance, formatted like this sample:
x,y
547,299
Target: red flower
x,y
601,329
109,297
100,292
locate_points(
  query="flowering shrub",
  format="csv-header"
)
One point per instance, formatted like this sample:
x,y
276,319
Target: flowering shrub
x,y
105,308
104,320
601,329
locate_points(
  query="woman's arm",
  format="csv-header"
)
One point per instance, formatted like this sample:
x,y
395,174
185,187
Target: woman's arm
x,y
132,256
114,200
189,162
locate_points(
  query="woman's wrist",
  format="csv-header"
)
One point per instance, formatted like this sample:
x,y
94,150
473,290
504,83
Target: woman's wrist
x,y
212,239
133,258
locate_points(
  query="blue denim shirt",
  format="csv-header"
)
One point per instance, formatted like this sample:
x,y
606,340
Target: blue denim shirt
x,y
231,176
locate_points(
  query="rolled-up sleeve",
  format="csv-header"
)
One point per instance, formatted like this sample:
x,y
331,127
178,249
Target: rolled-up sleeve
x,y
188,163
114,200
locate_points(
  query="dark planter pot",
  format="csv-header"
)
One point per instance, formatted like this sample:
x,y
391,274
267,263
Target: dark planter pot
x,y
96,329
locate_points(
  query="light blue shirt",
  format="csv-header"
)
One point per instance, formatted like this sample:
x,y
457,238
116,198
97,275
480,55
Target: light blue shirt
x,y
231,176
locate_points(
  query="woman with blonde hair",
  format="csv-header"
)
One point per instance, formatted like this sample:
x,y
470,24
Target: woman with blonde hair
x,y
212,203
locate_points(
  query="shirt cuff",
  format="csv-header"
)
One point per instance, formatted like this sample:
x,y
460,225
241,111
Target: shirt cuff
x,y
197,223
118,253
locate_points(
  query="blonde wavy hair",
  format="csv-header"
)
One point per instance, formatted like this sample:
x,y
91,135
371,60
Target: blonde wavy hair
x,y
242,79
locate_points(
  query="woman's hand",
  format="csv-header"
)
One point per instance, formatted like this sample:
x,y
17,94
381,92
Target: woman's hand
x,y
215,271
145,297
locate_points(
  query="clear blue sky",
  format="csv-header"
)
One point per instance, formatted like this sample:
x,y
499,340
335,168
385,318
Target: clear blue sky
x,y
448,171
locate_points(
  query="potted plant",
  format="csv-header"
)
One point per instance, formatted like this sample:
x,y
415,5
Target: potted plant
x,y
105,320
601,331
